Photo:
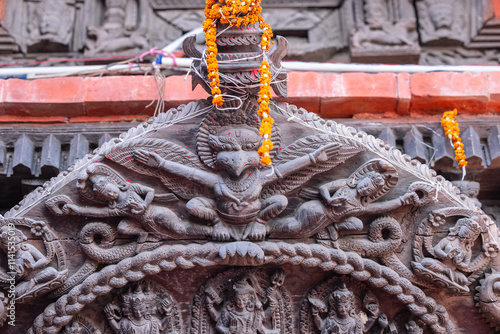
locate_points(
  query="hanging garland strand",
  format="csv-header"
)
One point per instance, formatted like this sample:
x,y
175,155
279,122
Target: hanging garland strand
x,y
452,131
240,13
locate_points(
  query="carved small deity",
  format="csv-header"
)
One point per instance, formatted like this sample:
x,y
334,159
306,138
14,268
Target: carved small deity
x,y
30,266
142,311
237,210
351,197
454,252
101,184
379,30
441,19
80,325
243,311
50,26
413,328
342,317
377,321
114,35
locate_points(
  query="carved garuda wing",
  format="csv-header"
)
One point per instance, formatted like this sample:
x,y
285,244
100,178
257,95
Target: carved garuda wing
x,y
303,147
123,154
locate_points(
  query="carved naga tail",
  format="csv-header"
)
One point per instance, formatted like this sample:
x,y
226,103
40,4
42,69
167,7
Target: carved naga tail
x,y
106,252
376,245
103,252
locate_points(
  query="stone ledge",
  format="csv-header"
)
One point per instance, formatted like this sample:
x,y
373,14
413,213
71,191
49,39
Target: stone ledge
x,y
358,95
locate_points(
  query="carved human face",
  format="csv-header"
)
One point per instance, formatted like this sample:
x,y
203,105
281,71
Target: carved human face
x,y
138,309
74,328
343,308
237,149
241,301
49,23
369,185
441,15
107,189
412,328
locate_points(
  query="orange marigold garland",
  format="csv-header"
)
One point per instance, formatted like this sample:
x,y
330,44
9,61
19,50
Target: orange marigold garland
x,y
240,13
452,131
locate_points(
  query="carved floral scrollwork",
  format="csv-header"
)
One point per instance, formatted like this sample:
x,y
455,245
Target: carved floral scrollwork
x,y
242,301
35,272
143,308
453,262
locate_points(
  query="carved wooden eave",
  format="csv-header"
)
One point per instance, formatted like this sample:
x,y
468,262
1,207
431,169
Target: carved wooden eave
x,y
176,227
383,265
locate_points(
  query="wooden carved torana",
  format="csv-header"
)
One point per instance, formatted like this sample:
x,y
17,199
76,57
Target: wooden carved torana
x,y
177,227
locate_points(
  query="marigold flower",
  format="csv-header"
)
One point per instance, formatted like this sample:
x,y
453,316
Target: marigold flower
x,y
452,131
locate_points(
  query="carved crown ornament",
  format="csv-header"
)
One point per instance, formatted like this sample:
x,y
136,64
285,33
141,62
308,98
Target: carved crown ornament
x,y
177,226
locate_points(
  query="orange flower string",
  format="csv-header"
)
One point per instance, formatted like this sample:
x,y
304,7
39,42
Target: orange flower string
x,y
240,13
452,131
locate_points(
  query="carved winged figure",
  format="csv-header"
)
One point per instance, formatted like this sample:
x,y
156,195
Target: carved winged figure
x,y
341,201
101,184
236,192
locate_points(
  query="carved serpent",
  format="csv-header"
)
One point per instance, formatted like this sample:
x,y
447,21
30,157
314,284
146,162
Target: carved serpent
x,y
169,257
105,252
488,299
377,245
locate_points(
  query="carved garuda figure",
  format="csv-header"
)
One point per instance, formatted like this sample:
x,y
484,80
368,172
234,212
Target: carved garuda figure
x,y
229,187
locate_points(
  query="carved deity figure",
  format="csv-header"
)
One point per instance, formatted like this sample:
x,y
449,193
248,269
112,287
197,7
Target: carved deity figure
x,y
133,201
454,252
242,312
141,312
441,19
50,26
342,317
413,328
379,30
114,35
342,200
238,182
30,267
377,321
